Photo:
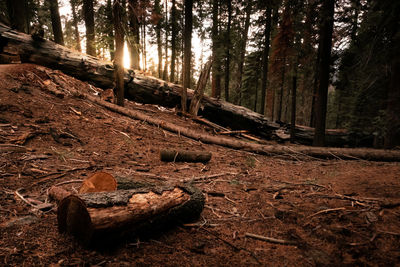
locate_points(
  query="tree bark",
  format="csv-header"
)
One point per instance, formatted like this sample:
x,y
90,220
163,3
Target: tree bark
x,y
88,16
119,51
95,218
227,51
243,43
56,22
267,36
75,23
17,14
216,68
134,27
293,115
165,72
185,156
173,40
328,9
157,8
187,51
199,92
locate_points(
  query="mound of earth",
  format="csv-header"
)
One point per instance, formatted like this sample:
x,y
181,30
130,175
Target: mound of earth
x,y
308,211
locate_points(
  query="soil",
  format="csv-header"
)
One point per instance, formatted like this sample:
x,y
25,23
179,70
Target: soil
x,y
330,212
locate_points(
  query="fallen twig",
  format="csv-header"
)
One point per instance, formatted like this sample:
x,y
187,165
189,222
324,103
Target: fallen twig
x,y
272,240
325,211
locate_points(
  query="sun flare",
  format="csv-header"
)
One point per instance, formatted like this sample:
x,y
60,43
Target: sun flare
x,y
127,58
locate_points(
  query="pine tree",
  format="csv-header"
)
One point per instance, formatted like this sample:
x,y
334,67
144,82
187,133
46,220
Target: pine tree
x,y
187,51
88,16
56,22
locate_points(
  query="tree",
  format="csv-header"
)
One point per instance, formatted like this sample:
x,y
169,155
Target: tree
x,y
17,13
74,4
267,34
118,10
157,15
227,50
187,51
174,34
165,72
88,16
134,47
216,53
325,44
242,53
56,22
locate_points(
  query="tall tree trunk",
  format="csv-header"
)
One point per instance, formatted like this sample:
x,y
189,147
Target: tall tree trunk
x,y
216,68
293,115
56,22
144,55
119,50
256,94
267,35
17,13
187,51
157,8
165,73
134,26
227,51
110,21
392,137
279,115
75,23
243,44
88,16
315,87
173,40
328,9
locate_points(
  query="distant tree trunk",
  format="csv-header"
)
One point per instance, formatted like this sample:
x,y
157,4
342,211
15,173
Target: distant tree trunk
x,y
119,51
256,95
75,23
293,115
216,68
279,115
110,40
17,13
56,22
144,43
392,137
157,8
173,40
227,51
242,52
134,28
328,8
267,36
88,16
187,51
165,73
315,87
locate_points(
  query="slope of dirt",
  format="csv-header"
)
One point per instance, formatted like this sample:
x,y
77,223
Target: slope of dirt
x,y
331,212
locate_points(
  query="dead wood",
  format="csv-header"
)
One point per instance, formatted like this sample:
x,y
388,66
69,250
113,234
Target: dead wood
x,y
272,240
199,92
98,216
272,150
185,156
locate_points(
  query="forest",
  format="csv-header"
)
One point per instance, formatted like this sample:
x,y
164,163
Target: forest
x,y
199,133
323,64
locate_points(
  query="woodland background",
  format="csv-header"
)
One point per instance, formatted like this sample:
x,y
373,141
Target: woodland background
x,y
324,64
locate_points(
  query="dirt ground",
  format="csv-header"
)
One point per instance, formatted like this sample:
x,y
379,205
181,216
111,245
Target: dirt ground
x,y
330,212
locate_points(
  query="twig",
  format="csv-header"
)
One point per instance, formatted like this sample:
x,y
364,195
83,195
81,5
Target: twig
x,y
16,192
206,177
326,211
272,240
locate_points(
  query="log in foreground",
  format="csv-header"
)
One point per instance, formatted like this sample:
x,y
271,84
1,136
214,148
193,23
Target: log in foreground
x,y
97,217
184,156
142,88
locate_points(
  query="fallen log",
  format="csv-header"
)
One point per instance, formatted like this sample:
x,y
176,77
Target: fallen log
x,y
95,218
271,150
185,156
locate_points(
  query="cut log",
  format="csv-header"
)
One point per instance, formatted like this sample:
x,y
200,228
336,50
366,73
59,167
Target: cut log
x,y
95,218
185,156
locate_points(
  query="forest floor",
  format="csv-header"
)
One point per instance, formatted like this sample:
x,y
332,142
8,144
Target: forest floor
x,y
330,211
